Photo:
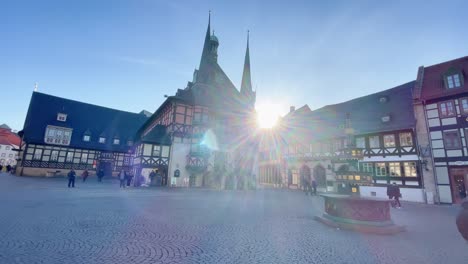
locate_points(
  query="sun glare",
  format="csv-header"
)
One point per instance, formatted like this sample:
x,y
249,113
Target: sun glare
x,y
267,115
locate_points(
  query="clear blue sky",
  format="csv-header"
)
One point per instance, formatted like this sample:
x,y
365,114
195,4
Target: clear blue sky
x,y
126,54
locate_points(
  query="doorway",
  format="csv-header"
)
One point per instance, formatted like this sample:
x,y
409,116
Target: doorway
x,y
459,182
106,166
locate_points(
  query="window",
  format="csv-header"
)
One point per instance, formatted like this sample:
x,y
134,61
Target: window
x,y
102,140
374,142
385,118
116,141
10,156
147,149
447,109
129,143
84,157
360,142
452,139
69,156
58,135
3,155
380,169
389,141
368,167
406,139
463,103
156,151
54,155
7,148
61,117
86,138
453,81
37,154
394,168
410,169
165,151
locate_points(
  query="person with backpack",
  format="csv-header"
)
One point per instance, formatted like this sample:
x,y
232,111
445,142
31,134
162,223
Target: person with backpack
x,y
71,178
85,175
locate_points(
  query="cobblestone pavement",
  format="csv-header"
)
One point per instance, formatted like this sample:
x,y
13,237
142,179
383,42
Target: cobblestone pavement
x,y
42,221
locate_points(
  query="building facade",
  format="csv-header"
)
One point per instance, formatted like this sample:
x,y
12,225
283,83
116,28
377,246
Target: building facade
x,y
382,150
9,143
441,107
201,136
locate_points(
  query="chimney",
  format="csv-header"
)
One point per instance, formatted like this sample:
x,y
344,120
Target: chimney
x,y
292,109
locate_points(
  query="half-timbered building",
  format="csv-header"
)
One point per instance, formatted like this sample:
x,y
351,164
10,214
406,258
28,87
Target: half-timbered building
x,y
441,107
317,143
61,134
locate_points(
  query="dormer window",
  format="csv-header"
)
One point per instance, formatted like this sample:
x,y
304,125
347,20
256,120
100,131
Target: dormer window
x,y
453,81
61,117
116,141
86,138
102,140
385,118
383,99
129,143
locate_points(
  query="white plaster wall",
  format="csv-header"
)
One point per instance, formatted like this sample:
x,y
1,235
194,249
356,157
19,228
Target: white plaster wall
x,y
442,175
432,113
408,194
438,153
436,135
431,106
434,122
449,121
437,143
178,160
454,153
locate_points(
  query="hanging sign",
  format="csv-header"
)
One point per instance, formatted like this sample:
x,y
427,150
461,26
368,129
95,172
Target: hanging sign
x,y
177,173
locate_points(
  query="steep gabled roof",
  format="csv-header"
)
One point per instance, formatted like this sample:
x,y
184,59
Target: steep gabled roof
x,y
433,85
82,118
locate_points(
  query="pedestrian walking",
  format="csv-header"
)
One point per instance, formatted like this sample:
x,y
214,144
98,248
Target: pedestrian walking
x,y
1,168
152,175
122,177
85,175
393,192
8,168
314,187
71,178
308,186
100,175
129,178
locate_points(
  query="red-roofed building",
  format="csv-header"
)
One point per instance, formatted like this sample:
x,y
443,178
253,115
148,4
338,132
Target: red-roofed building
x,y
441,108
8,142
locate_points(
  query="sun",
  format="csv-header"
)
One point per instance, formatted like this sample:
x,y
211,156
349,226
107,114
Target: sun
x,y
267,115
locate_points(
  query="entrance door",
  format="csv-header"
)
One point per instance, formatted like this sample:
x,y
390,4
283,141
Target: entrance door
x,y
459,182
106,166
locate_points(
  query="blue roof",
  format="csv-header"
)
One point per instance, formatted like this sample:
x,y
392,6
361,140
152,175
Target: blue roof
x,y
84,119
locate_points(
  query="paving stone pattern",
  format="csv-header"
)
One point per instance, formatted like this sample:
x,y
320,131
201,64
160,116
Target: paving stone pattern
x,y
42,221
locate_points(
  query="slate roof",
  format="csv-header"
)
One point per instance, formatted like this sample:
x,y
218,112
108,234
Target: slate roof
x,y
433,80
82,118
157,135
365,115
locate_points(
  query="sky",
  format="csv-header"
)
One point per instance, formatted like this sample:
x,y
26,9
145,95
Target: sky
x,y
127,54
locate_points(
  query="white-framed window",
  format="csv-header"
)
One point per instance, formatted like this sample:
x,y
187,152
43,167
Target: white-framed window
x,y
37,154
367,167
394,168
385,118
165,151
116,141
447,109
453,81
69,156
84,157
10,155
7,148
156,150
102,140
3,155
380,169
54,155
58,135
406,139
360,142
374,142
389,141
61,117
86,138
463,103
410,169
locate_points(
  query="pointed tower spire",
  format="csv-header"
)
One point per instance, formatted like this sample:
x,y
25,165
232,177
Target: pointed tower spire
x,y
206,45
246,86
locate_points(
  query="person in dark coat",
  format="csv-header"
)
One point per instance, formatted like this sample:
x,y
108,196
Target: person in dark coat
x,y
152,175
314,187
129,178
393,192
100,175
71,178
122,178
308,186
1,168
8,168
85,175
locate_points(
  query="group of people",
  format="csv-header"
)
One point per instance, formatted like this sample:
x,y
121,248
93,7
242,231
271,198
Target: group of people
x,y
124,177
8,168
310,185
